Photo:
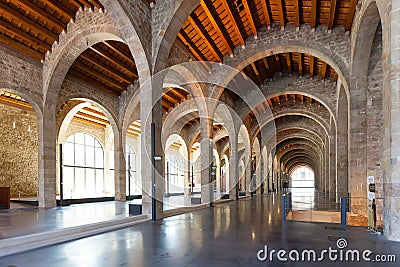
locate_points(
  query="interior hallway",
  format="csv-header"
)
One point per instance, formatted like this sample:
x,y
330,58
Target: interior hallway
x,y
226,235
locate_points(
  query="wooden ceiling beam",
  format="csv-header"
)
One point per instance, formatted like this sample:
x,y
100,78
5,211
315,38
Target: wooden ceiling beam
x,y
120,53
332,12
314,6
76,3
170,99
199,28
312,65
59,8
93,82
323,71
94,111
218,26
102,66
266,12
134,129
28,23
266,65
297,13
178,94
12,30
114,61
231,18
87,3
250,17
80,113
20,47
280,13
289,62
97,4
31,7
350,15
253,66
89,122
278,62
300,63
99,76
192,47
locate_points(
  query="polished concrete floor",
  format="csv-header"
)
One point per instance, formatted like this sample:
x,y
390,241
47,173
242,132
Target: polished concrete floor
x,y
24,220
225,235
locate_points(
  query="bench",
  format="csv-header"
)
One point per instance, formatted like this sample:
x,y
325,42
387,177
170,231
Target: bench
x,y
4,197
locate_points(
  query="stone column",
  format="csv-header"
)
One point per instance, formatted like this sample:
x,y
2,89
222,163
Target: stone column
x,y
187,179
391,85
233,168
343,147
331,183
120,167
150,111
206,148
47,158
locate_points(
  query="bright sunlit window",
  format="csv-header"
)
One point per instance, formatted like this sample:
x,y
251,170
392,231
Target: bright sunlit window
x,y
303,177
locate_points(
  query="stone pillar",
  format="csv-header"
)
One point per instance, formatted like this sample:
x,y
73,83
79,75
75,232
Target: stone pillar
x,y
343,147
120,167
187,179
47,158
150,111
206,156
391,85
233,168
248,185
331,183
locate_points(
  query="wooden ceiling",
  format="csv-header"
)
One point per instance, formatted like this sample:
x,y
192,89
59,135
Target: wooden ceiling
x,y
216,27
172,98
289,63
32,26
107,65
283,99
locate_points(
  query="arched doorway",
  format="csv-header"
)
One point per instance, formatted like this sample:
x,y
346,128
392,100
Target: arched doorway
x,y
18,146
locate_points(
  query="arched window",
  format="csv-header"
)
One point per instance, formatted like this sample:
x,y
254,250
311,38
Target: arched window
x,y
303,177
132,187
174,182
83,167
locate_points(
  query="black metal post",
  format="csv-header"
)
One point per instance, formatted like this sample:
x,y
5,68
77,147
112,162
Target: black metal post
x,y
61,175
192,176
153,172
129,174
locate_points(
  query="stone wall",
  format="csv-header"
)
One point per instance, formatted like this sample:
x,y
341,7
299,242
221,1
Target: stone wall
x,y
375,120
18,150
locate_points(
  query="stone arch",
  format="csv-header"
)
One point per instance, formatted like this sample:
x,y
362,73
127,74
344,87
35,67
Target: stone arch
x,y
172,16
37,106
71,44
337,62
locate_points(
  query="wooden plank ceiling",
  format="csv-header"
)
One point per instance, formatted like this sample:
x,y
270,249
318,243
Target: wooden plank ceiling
x,y
289,63
275,101
95,116
32,26
216,27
